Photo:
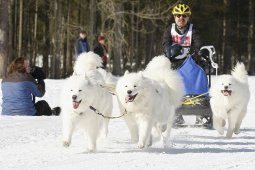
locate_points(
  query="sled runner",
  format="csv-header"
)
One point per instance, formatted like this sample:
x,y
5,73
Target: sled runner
x,y
196,83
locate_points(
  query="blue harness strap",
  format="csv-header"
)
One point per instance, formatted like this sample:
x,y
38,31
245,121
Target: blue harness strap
x,y
194,77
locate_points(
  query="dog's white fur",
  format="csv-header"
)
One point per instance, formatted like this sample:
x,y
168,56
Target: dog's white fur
x,y
230,97
82,90
150,99
91,64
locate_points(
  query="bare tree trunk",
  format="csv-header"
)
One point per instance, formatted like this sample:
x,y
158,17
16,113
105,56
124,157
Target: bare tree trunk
x,y
93,19
11,50
251,59
117,48
225,44
69,60
35,32
56,40
137,41
20,27
132,49
66,55
4,24
46,37
15,30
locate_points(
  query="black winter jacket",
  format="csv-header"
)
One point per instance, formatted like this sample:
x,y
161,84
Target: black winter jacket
x,y
196,41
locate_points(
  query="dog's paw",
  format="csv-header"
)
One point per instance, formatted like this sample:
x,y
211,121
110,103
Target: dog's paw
x,y
141,145
237,131
91,150
66,144
149,142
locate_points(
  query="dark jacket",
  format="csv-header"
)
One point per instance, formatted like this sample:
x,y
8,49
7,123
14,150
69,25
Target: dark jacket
x,y
100,50
17,91
81,46
196,42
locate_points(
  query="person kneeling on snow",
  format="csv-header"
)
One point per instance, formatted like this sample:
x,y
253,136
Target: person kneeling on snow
x,y
19,86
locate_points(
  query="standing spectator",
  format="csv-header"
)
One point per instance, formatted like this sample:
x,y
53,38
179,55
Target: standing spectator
x,y
81,44
19,86
101,50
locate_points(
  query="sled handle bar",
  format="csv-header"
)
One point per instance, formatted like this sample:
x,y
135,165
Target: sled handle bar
x,y
211,50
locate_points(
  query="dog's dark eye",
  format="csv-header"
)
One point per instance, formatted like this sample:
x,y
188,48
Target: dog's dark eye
x,y
229,84
125,85
71,90
80,90
134,85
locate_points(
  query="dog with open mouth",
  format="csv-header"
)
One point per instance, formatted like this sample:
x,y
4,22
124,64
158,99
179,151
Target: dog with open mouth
x,y
80,93
229,99
150,98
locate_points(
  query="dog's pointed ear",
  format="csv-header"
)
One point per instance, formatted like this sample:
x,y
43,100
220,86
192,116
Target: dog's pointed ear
x,y
126,72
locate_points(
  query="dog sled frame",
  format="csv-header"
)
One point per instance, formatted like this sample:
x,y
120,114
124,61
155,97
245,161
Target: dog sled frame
x,y
199,105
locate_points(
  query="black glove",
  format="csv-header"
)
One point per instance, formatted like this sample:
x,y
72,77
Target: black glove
x,y
37,73
173,51
41,83
204,54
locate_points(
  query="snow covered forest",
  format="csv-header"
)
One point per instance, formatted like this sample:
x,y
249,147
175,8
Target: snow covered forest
x,y
133,31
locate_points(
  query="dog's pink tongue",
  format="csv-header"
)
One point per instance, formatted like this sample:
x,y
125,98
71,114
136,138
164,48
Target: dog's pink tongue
x,y
127,99
226,93
76,105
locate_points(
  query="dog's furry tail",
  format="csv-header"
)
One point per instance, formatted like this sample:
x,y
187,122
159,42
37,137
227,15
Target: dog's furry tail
x,y
240,73
87,61
159,69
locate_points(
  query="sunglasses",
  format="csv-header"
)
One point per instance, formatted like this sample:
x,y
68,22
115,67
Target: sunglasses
x,y
183,16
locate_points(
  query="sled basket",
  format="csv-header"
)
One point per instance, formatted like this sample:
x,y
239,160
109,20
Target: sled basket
x,y
196,85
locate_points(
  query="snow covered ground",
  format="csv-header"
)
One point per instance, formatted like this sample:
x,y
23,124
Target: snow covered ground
x,y
35,143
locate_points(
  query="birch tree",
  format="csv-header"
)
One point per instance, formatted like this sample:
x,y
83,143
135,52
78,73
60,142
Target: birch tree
x,y
4,23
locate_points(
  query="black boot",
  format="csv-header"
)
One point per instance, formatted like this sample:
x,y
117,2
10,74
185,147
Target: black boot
x,y
56,111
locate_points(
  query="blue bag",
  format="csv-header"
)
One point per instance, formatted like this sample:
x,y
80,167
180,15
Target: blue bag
x,y
194,77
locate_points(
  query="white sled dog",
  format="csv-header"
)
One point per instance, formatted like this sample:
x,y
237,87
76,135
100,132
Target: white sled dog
x,y
230,97
150,99
91,64
83,91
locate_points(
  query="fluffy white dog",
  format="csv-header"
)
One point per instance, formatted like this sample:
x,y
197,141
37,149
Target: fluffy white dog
x,y
83,91
150,99
230,97
91,64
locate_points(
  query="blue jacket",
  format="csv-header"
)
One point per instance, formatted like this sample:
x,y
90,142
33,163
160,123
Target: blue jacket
x,y
81,46
17,91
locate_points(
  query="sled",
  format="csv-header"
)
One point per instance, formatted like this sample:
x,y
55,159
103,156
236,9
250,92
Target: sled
x,y
197,82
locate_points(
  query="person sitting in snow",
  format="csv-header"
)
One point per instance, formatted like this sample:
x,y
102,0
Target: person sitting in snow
x,y
18,88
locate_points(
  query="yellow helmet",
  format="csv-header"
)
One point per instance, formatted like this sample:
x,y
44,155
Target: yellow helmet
x,y
181,9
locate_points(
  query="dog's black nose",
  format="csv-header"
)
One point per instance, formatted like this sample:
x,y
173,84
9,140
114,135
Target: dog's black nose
x,y
74,97
129,91
225,87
